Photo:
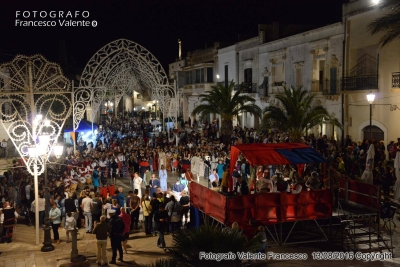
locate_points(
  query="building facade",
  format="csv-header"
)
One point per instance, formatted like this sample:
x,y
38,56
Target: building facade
x,y
341,69
312,60
370,68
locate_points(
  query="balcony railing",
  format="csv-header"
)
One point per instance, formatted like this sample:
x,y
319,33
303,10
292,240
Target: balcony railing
x,y
327,87
360,83
246,87
396,80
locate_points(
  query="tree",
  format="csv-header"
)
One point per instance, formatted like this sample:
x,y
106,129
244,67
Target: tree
x,y
296,114
224,101
389,24
208,238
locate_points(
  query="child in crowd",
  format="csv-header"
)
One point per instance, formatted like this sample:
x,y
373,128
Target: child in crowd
x,y
70,224
175,163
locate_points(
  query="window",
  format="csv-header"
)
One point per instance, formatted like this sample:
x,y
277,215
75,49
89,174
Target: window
x,y
188,77
332,82
278,74
195,76
299,77
248,75
210,75
198,76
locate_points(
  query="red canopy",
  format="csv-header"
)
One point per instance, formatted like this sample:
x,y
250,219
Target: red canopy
x,y
280,154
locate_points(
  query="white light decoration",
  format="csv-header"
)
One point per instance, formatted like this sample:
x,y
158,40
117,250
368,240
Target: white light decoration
x,y
58,150
32,151
36,87
375,2
118,69
217,76
370,97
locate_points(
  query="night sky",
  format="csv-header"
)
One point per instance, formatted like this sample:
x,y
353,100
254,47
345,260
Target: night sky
x,y
156,25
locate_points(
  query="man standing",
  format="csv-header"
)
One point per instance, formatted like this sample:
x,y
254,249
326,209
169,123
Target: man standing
x,y
154,184
117,230
121,197
135,208
161,221
126,218
102,230
87,212
97,208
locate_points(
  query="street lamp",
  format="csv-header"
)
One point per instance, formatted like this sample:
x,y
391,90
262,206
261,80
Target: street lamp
x,y
108,104
39,153
370,99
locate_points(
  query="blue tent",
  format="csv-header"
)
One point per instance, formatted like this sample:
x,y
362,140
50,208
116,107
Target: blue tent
x,y
84,126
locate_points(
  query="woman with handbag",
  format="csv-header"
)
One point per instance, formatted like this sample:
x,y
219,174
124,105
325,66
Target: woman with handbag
x,y
147,210
174,212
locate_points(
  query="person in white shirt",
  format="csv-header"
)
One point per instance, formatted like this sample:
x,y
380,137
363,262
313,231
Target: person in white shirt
x,y
28,191
42,207
87,212
4,147
213,177
137,184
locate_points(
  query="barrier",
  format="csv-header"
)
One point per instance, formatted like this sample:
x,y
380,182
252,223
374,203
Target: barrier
x,y
265,208
359,193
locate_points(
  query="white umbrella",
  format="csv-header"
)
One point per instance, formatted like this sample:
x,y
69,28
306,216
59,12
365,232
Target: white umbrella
x,y
155,122
367,176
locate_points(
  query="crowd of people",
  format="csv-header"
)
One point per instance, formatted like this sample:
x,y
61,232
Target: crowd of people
x,y
126,148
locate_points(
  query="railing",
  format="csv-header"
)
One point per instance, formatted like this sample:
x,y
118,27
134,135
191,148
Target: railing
x,y
316,86
395,79
327,87
278,83
246,87
360,83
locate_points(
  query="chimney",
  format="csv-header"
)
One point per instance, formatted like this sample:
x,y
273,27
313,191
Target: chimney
x,y
180,49
262,29
275,30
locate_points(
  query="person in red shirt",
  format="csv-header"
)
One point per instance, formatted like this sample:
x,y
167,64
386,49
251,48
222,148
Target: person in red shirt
x,y
126,218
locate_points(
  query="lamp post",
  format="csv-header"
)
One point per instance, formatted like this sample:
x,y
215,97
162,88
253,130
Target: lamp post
x,y
39,152
370,99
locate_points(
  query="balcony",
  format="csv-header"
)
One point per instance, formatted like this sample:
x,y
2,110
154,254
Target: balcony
x,y
396,80
326,87
360,83
246,87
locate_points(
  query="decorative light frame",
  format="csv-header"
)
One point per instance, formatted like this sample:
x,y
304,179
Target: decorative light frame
x,y
123,66
33,86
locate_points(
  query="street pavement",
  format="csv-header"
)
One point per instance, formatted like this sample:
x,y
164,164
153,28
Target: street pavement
x,y
23,252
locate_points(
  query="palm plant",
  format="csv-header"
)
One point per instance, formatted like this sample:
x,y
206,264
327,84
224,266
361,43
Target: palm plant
x,y
224,101
209,238
296,114
389,24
